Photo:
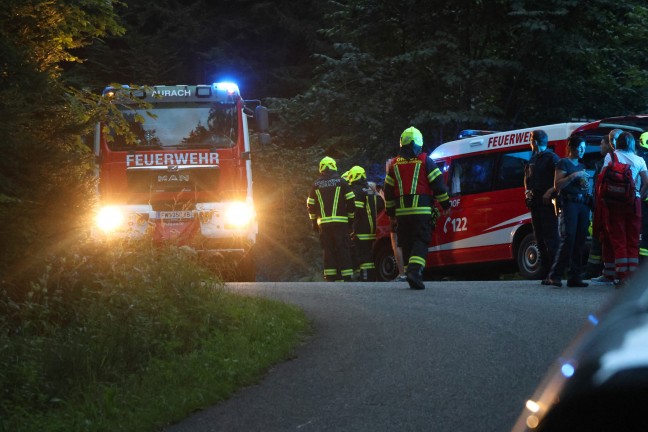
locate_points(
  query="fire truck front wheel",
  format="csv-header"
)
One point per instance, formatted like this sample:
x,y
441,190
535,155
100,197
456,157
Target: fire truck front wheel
x,y
528,257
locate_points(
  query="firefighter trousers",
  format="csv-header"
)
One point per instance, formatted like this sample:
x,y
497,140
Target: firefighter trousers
x,y
334,239
364,263
414,235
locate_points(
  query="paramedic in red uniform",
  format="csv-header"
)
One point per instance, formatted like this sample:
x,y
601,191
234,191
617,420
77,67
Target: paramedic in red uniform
x,y
601,252
331,207
539,190
412,185
624,222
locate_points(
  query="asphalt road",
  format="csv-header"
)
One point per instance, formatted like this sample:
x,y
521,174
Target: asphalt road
x,y
459,356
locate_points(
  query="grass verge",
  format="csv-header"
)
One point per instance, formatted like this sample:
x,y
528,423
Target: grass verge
x,y
131,343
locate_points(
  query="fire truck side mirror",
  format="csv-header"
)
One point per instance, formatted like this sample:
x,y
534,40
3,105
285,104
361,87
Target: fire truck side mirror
x,y
263,124
261,116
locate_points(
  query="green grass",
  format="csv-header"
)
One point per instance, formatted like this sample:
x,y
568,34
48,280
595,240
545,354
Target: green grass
x,y
106,341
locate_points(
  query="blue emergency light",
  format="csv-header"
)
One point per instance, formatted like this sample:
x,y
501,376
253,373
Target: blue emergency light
x,y
228,87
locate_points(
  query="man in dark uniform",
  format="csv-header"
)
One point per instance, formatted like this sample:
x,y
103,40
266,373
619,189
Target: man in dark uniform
x,y
412,185
539,189
368,203
331,209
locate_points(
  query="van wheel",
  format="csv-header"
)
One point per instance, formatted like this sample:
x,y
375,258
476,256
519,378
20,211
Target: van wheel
x,y
528,258
386,267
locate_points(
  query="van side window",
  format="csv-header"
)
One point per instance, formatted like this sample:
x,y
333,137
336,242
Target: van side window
x,y
454,179
471,175
511,170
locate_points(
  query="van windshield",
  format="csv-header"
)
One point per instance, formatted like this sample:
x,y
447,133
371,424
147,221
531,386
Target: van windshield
x,y
177,126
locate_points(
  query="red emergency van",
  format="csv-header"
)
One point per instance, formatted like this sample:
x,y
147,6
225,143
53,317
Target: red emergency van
x,y
489,227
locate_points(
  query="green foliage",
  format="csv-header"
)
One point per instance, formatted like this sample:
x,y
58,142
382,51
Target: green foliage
x,y
287,247
45,170
444,66
264,46
110,339
106,307
44,33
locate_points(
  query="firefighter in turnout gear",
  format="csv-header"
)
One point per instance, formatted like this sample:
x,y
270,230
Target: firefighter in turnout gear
x,y
412,185
368,204
642,150
331,208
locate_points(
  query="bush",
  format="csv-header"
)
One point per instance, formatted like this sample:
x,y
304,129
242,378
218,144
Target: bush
x,y
92,323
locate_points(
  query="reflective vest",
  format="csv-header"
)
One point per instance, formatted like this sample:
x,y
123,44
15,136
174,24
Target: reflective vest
x,y
409,184
411,177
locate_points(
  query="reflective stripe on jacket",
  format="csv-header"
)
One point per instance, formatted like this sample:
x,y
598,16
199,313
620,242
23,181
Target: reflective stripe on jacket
x,y
330,199
409,185
367,206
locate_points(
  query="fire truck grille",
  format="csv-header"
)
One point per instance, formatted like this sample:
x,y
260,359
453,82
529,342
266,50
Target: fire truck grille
x,y
170,180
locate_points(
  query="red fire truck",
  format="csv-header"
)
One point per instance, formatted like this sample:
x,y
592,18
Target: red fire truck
x,y
181,170
488,230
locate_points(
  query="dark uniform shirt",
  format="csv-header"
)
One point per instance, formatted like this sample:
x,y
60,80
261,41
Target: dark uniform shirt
x,y
575,187
539,173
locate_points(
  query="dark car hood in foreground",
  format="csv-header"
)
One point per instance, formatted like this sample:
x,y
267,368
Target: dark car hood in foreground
x,y
600,382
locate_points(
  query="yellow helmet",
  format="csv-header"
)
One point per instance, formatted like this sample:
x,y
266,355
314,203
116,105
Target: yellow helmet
x,y
412,136
327,163
356,173
345,175
643,140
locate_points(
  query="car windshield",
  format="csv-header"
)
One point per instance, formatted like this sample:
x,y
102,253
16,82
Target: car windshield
x,y
179,125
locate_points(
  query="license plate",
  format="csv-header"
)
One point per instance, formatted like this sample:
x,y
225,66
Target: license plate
x,y
183,214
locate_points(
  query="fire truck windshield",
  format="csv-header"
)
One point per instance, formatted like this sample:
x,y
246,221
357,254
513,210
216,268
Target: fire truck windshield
x,y
179,125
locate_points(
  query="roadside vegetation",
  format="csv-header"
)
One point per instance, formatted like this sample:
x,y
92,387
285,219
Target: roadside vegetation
x,y
122,340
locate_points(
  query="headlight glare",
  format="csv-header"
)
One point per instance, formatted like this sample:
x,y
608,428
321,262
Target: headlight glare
x,y
239,215
109,219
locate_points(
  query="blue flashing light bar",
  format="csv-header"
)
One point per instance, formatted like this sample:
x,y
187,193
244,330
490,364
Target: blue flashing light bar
x,y
229,87
469,133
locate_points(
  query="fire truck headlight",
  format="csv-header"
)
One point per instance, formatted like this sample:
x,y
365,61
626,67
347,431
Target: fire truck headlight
x,y
238,215
109,219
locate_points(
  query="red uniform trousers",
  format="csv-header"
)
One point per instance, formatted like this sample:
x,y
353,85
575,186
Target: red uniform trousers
x,y
623,227
607,254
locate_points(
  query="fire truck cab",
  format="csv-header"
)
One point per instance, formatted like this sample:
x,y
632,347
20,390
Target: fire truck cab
x,y
489,227
180,171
